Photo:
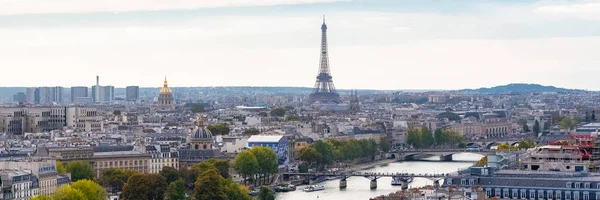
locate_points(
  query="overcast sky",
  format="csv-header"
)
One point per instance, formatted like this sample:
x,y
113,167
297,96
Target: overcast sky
x,y
374,44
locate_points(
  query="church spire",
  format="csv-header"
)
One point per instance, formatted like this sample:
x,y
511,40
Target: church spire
x,y
166,85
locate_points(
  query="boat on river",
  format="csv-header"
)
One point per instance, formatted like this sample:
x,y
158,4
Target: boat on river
x,y
285,188
314,188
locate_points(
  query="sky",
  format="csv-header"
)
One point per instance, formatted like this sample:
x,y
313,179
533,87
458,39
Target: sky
x,y
373,44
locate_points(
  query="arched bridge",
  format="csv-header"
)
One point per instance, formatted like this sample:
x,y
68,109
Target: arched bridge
x,y
489,144
444,154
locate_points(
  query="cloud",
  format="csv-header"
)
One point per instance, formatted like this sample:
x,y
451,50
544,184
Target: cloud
x,y
17,7
571,8
588,11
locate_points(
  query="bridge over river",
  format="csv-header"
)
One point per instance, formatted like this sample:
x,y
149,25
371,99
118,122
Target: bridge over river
x,y
373,176
444,154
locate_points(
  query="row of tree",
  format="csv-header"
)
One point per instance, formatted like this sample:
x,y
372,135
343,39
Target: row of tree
x,y
424,138
321,153
208,180
258,163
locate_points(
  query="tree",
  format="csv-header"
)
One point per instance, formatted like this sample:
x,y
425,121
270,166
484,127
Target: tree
x,y
251,131
303,167
219,129
115,179
90,189
66,192
593,118
263,114
245,164
384,144
278,112
292,118
80,170
221,165
326,152
236,191
482,162
525,128
526,144
568,123
117,112
145,187
171,174
197,108
267,161
41,197
266,193
426,138
60,168
210,186
536,128
176,190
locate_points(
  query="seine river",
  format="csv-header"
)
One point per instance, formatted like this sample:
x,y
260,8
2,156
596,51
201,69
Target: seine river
x,y
358,187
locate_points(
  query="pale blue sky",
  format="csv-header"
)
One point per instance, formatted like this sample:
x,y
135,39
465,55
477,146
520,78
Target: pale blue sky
x,y
374,44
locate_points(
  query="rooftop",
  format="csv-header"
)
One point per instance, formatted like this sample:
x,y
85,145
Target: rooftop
x,y
265,138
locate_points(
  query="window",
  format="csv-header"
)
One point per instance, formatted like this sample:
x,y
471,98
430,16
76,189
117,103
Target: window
x,y
550,196
587,185
577,185
558,196
568,184
515,194
463,181
586,197
471,182
488,193
532,194
540,194
567,195
522,194
505,193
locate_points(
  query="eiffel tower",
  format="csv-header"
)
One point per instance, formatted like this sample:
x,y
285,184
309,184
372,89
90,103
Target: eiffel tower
x,y
324,90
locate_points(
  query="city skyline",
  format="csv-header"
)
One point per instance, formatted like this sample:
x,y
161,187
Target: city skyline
x,y
383,45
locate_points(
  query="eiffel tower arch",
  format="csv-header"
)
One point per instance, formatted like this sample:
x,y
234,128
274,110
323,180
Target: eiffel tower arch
x,y
324,90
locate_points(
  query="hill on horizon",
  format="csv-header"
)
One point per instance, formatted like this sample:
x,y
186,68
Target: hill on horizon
x,y
520,88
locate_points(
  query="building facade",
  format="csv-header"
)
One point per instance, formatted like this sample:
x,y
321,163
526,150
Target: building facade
x,y
132,93
514,184
50,95
18,184
278,143
101,159
83,119
162,156
43,168
20,97
78,93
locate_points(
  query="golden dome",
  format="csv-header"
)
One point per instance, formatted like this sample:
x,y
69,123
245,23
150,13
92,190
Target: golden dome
x,y
165,89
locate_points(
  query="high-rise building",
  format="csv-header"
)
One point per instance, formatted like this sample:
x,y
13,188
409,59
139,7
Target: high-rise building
x,y
132,93
97,91
109,93
19,97
78,92
49,95
30,95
